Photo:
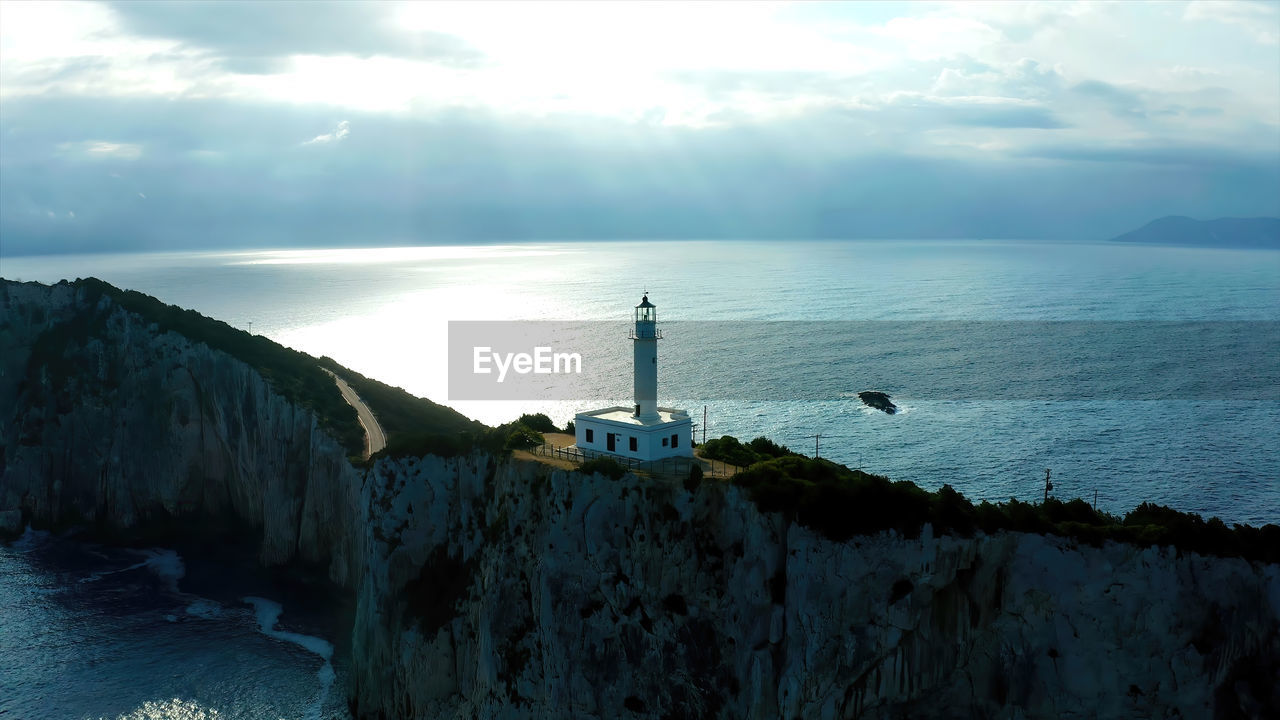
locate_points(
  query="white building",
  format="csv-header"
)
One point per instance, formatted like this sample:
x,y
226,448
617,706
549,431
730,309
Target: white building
x,y
644,431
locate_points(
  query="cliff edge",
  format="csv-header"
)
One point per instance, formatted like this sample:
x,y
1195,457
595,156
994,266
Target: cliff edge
x,y
486,586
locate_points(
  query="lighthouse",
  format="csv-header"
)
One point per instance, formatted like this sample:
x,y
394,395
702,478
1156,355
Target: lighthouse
x,y
644,340
643,431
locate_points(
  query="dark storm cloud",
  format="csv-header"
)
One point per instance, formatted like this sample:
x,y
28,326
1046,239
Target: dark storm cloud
x,y
255,37
223,174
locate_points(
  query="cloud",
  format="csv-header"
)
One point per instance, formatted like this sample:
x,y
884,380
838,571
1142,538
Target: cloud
x,y
626,120
1025,79
1146,153
1120,100
338,134
723,83
494,178
257,37
1260,19
977,111
101,149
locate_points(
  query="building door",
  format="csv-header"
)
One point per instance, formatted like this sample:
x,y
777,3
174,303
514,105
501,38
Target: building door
x,y
609,444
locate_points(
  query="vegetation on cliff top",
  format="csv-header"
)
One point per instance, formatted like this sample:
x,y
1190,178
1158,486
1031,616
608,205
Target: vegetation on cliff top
x,y
398,412
840,503
729,449
477,438
296,376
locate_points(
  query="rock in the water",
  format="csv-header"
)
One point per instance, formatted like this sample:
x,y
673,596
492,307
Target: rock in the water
x,y
878,400
10,524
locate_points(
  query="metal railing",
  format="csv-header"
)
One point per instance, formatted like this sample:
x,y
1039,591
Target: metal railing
x,y
678,467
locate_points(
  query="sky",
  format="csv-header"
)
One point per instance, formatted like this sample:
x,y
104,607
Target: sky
x,y
169,126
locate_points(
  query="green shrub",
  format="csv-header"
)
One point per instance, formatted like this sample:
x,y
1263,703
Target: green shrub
x,y
729,449
606,466
840,503
694,480
444,445
949,509
763,447
523,437
539,422
570,428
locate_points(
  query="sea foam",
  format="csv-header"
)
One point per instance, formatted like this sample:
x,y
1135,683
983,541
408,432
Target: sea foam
x,y
268,615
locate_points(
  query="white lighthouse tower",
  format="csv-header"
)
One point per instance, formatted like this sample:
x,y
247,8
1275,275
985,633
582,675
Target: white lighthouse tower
x,y
644,339
643,431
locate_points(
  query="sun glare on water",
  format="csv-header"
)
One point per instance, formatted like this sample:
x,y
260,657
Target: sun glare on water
x,y
386,256
173,709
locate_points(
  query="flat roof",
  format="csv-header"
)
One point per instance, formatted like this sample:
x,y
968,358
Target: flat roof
x,y
626,416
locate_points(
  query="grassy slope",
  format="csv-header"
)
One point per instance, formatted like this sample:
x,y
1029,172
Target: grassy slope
x,y
297,376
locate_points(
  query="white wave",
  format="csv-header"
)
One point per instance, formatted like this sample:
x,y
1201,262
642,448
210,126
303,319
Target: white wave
x,y
173,709
868,410
204,608
268,614
94,577
167,565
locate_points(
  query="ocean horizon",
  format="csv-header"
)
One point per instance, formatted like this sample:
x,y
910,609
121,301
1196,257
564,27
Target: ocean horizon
x,y
1192,435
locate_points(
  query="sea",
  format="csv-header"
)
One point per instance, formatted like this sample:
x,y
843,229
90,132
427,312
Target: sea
x,y
1134,373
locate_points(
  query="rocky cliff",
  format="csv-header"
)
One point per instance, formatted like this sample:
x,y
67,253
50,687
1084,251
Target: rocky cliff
x,y
119,424
492,587
505,589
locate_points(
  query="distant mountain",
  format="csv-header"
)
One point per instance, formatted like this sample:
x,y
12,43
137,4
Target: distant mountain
x,y
1260,232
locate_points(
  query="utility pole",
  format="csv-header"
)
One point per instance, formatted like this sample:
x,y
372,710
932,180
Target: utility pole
x,y
1047,485
815,444
704,424
250,327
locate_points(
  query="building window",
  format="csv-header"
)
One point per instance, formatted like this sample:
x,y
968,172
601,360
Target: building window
x,y
675,440
591,436
664,442
633,444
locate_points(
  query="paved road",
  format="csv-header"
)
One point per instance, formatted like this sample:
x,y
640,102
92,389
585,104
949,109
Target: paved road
x,y
374,438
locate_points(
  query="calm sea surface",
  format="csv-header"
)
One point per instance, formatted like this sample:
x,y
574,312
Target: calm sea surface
x,y
88,632
1134,373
